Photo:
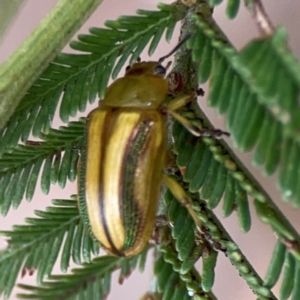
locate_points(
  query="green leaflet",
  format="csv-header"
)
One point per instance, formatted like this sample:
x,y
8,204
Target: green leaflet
x,y
288,276
232,8
208,269
275,266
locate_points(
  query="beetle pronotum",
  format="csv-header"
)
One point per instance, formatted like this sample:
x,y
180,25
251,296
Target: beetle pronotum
x,y
122,163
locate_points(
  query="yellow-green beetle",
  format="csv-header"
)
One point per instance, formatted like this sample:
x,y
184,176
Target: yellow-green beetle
x,y
122,163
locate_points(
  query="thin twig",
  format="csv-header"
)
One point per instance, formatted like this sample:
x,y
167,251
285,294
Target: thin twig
x,y
221,237
263,22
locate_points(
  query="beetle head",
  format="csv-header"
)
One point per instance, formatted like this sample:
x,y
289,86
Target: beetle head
x,y
153,68
149,68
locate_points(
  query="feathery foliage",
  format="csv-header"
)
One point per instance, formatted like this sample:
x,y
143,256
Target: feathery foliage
x,y
269,118
258,90
92,281
37,244
55,159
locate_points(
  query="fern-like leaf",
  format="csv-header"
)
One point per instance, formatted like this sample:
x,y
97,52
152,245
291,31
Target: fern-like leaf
x,y
174,285
37,244
91,281
259,112
210,170
55,159
231,182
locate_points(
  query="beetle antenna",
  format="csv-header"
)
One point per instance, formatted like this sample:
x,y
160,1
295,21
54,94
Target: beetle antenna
x,y
168,65
176,48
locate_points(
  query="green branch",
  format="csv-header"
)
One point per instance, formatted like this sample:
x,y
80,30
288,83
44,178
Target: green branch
x,y
20,71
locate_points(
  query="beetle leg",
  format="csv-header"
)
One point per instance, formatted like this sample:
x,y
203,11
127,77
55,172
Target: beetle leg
x,y
186,123
181,101
195,130
180,194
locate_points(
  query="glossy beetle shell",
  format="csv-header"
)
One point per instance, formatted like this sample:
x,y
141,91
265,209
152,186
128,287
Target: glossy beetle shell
x,y
122,163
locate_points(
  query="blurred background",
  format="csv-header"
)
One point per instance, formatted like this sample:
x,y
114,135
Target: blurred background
x,y
258,244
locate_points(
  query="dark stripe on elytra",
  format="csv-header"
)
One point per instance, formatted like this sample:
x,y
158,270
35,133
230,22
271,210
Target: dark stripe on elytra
x,y
129,206
105,136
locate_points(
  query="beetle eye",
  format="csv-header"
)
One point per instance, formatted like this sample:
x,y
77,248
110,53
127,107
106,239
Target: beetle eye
x,y
127,68
160,70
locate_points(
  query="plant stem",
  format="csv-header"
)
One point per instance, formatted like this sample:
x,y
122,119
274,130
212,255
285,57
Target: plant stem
x,y
26,64
230,248
262,20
